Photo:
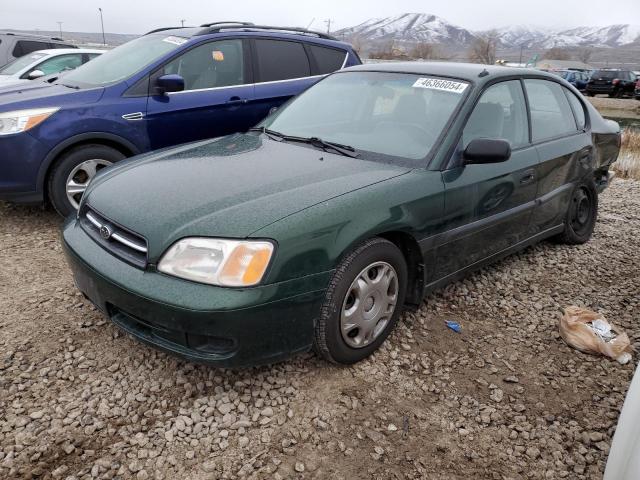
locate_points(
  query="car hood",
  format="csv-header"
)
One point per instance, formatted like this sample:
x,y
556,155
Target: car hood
x,y
229,187
35,93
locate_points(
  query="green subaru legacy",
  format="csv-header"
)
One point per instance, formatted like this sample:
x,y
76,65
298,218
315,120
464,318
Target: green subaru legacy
x,y
355,199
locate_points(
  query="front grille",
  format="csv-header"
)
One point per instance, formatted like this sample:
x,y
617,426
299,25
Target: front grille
x,y
120,241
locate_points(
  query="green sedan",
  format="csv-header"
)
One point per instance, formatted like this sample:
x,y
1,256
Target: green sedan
x,y
316,228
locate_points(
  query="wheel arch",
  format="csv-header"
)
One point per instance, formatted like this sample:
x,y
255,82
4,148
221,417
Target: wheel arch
x,y
415,263
121,144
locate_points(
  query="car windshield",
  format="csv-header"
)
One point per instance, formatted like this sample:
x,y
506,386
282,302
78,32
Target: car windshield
x,y
20,63
390,117
122,62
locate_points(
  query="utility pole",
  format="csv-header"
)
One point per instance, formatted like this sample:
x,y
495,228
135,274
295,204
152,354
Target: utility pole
x,y
60,28
520,61
104,42
182,22
328,22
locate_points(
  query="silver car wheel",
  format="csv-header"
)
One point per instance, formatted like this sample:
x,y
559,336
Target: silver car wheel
x,y
79,179
369,304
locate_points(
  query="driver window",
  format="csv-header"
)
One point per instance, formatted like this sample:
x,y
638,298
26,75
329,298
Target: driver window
x,y
214,64
500,113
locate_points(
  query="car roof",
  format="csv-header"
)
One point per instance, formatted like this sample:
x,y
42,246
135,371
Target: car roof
x,y
61,51
466,71
249,30
33,36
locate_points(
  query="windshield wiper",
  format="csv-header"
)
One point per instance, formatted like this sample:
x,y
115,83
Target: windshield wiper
x,y
345,150
266,131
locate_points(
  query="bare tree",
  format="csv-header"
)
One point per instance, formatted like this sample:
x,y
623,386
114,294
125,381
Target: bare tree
x,y
557,53
425,51
389,51
483,48
357,43
584,55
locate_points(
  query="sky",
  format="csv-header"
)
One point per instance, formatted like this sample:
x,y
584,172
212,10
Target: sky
x,y
139,16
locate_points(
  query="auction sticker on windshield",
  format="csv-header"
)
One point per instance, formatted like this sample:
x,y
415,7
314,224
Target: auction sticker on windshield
x,y
175,40
440,84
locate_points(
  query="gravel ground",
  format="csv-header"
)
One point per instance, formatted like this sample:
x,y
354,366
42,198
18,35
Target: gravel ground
x,y
503,399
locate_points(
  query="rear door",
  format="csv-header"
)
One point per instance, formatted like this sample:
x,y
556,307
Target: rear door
x,y
488,207
278,80
218,90
558,129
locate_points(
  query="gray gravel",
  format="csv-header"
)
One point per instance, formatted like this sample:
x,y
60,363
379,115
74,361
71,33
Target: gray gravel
x,y
504,399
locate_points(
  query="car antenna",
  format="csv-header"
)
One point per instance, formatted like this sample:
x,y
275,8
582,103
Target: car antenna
x,y
483,73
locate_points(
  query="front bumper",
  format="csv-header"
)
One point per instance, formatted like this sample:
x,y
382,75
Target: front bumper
x,y
225,327
21,156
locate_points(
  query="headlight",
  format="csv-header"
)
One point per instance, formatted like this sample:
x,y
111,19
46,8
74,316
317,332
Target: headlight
x,y
23,120
229,263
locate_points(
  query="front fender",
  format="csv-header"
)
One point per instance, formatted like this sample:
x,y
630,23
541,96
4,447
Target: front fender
x,y
315,239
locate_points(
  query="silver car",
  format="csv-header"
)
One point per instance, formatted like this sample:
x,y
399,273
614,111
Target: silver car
x,y
44,62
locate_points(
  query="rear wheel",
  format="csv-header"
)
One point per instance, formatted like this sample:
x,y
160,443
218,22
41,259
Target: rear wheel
x,y
581,215
363,302
73,172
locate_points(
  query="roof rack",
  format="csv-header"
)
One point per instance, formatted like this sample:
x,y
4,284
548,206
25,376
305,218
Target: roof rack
x,y
163,29
256,28
230,22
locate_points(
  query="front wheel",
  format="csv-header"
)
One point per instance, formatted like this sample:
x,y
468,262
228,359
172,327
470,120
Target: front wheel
x,y
580,219
363,302
74,170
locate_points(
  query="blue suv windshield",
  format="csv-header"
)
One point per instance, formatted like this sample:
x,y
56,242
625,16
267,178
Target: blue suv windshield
x,y
122,62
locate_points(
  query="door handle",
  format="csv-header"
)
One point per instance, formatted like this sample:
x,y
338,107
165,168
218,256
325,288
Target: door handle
x,y
528,177
236,101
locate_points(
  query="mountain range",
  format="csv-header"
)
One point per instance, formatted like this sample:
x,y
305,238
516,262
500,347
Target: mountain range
x,y
427,28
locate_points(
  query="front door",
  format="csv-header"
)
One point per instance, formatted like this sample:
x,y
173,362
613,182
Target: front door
x,y
214,102
488,207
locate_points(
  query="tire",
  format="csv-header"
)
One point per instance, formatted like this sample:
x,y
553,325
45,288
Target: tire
x,y
590,94
377,257
80,165
581,216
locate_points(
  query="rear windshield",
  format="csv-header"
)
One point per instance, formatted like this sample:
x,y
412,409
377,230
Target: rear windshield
x,y
21,63
122,62
605,74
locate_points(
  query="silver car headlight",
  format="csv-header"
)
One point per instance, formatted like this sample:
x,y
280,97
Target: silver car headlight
x,y
228,263
22,120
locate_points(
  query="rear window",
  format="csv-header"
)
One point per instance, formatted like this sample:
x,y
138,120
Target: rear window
x,y
605,74
551,114
327,59
25,47
281,60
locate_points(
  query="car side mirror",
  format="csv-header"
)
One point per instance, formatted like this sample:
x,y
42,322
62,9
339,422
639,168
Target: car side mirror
x,y
487,150
33,74
169,83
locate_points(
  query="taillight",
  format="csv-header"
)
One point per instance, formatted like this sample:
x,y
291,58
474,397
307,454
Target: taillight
x,y
616,81
638,84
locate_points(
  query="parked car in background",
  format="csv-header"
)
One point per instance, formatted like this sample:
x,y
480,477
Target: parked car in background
x,y
623,462
576,78
167,87
373,187
42,63
637,90
14,45
615,83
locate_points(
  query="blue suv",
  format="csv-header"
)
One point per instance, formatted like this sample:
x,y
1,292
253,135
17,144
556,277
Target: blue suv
x,y
170,86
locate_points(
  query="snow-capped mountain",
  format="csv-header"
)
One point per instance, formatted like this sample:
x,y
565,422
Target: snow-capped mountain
x,y
423,27
540,37
410,27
